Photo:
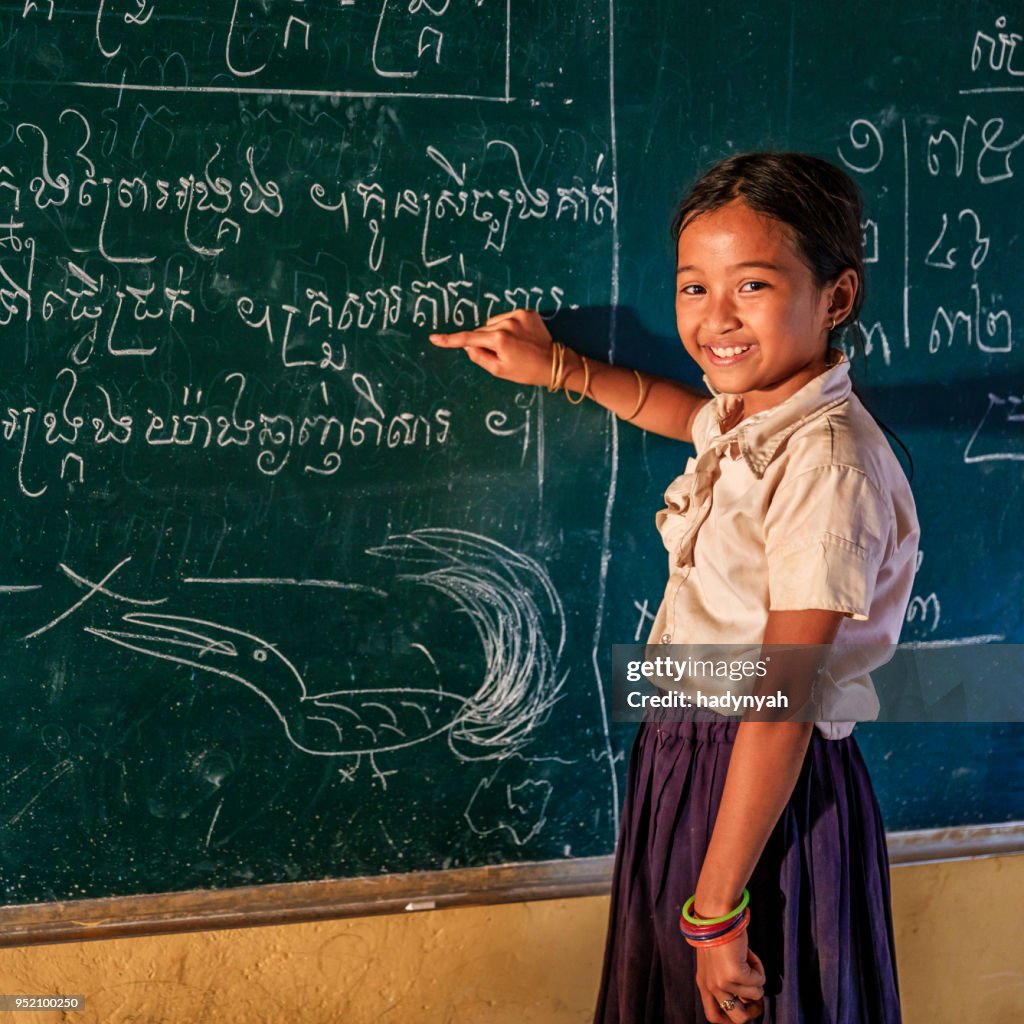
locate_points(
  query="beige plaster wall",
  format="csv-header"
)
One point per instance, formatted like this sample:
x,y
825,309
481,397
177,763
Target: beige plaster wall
x,y
526,963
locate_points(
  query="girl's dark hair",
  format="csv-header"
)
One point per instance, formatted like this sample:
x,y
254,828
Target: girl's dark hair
x,y
818,202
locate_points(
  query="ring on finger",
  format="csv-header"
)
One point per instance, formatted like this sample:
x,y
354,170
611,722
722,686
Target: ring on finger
x,y
728,1004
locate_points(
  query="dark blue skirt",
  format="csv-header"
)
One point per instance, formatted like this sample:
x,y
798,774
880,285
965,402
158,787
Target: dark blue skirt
x,y
820,914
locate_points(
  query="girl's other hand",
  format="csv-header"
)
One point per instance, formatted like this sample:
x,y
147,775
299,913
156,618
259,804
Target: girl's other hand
x,y
731,970
513,346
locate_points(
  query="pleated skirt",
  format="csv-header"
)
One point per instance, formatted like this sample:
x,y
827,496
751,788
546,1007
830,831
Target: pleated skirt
x,y
820,919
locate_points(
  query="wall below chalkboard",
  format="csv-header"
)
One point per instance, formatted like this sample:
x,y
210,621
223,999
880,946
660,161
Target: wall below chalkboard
x,y
453,964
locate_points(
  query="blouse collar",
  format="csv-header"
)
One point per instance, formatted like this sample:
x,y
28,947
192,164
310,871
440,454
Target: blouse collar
x,y
760,436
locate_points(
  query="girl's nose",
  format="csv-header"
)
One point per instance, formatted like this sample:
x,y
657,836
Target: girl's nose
x,y
721,315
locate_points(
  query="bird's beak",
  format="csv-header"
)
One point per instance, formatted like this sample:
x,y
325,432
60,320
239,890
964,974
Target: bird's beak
x,y
174,638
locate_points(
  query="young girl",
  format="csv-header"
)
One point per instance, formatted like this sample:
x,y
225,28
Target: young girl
x,y
793,525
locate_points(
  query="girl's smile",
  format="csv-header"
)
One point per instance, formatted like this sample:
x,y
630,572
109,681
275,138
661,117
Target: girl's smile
x,y
748,308
726,355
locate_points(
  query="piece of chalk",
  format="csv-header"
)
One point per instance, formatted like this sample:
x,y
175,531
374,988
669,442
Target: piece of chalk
x,y
421,905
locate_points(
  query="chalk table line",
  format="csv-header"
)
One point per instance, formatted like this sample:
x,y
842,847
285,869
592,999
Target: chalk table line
x,y
255,91
261,581
993,88
961,641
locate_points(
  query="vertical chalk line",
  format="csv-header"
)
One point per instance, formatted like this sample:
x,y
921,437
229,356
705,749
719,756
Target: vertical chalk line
x,y
508,49
613,429
906,239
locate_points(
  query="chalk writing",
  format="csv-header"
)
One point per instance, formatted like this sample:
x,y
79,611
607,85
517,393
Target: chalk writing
x,y
122,299
946,258
925,610
990,143
999,435
993,334
397,46
978,149
863,135
330,424
998,52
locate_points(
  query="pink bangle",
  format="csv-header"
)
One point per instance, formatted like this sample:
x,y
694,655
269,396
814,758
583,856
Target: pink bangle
x,y
722,940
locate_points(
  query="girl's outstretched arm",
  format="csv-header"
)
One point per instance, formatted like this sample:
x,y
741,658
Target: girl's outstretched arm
x,y
517,347
766,761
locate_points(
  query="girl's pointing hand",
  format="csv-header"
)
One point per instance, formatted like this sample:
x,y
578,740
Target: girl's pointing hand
x,y
513,346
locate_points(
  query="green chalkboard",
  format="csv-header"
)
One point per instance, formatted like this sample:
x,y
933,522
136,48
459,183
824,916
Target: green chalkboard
x,y
286,593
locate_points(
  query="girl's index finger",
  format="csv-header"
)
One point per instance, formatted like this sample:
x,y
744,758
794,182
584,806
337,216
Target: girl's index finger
x,y
447,340
460,339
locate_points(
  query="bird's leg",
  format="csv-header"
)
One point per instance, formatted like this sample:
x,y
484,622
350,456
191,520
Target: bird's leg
x,y
381,774
349,774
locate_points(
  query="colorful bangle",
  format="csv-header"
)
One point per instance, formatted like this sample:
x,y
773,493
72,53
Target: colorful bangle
x,y
699,940
741,926
737,926
709,930
641,396
586,384
701,935
704,921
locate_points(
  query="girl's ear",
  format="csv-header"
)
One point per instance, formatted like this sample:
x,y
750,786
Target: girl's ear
x,y
843,295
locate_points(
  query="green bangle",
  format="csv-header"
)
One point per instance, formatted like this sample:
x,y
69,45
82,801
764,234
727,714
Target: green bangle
x,y
690,919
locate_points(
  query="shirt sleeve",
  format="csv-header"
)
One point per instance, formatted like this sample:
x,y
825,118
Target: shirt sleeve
x,y
826,534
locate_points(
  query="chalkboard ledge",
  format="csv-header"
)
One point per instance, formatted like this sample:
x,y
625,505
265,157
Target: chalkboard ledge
x,y
295,902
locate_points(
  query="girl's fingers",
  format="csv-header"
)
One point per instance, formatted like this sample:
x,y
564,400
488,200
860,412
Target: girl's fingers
x,y
460,339
515,325
755,1009
733,976
742,970
757,975
499,317
508,346
746,992
741,1011
485,359
713,1008
714,1013
466,339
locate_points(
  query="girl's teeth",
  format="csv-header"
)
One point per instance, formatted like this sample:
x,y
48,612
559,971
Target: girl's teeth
x,y
728,353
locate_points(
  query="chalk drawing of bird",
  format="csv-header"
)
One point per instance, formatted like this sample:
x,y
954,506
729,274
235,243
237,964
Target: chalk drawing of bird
x,y
508,597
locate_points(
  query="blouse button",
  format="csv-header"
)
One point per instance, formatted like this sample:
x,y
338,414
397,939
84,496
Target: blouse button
x,y
666,638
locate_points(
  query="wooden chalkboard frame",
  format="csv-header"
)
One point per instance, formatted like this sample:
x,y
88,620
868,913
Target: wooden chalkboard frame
x,y
300,902
268,904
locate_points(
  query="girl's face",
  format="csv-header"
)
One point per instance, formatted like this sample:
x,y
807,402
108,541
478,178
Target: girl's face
x,y
748,309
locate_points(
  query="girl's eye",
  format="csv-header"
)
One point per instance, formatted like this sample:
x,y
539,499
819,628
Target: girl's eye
x,y
755,286
692,289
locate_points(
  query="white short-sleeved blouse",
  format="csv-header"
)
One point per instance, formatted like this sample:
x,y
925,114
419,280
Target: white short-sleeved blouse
x,y
800,506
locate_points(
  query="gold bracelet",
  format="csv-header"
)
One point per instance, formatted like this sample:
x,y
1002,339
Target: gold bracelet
x,y
586,384
641,396
557,366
